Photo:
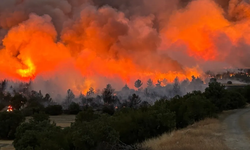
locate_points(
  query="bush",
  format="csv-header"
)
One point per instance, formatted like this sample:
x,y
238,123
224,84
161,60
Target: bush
x,y
86,115
94,134
9,121
191,108
108,109
216,93
53,110
137,125
246,93
74,108
40,135
234,100
39,117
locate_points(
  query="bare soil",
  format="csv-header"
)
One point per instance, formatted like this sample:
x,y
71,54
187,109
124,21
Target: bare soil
x,y
236,128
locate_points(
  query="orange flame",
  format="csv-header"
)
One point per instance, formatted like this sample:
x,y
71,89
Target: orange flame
x,y
29,72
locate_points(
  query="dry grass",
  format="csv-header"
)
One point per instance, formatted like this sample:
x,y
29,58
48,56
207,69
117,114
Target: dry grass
x,y
203,135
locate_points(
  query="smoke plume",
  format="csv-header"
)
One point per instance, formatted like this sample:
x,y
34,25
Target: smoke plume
x,y
79,44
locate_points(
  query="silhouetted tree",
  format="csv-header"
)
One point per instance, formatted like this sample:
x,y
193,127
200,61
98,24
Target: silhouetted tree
x,y
176,87
125,88
138,84
90,92
18,101
107,94
47,98
158,83
135,100
69,98
150,83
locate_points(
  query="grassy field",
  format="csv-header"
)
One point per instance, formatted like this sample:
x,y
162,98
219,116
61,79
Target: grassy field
x,y
205,135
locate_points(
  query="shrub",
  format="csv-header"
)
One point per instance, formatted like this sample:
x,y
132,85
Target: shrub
x,y
74,108
40,135
90,135
234,100
9,121
86,115
39,117
108,109
53,110
137,125
216,93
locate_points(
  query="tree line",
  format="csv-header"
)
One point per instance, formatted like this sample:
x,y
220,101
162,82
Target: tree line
x,y
121,127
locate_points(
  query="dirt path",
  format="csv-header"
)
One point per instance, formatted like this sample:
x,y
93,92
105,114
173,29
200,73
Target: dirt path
x,y
237,129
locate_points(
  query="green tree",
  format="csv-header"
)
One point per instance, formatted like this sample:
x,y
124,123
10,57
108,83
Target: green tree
x,y
107,94
18,101
138,84
53,110
40,135
39,117
74,108
216,93
9,121
86,115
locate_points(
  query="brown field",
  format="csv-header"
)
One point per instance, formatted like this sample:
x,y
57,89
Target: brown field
x,y
205,135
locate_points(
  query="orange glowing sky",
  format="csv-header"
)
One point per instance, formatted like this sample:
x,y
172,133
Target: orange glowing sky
x,y
88,46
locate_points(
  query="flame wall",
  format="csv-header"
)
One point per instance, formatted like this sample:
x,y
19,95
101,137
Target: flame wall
x,y
82,43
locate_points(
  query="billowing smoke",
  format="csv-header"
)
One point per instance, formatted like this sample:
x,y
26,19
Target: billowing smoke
x,y
78,44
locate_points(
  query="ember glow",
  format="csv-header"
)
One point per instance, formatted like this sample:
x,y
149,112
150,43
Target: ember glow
x,y
85,43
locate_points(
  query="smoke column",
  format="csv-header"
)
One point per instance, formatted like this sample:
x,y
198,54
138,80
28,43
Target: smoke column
x,y
78,44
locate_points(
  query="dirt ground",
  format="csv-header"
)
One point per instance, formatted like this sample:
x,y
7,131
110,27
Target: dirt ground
x,y
236,128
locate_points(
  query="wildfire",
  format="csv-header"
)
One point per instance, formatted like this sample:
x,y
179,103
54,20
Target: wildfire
x,y
30,70
103,45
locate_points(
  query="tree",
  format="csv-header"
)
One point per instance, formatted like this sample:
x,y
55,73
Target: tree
x,y
69,98
53,110
47,98
18,101
74,108
9,121
176,87
39,117
216,93
150,83
125,88
135,100
91,92
40,135
107,94
158,83
138,84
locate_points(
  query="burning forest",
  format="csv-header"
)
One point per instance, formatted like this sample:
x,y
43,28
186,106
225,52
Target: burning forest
x,y
79,44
